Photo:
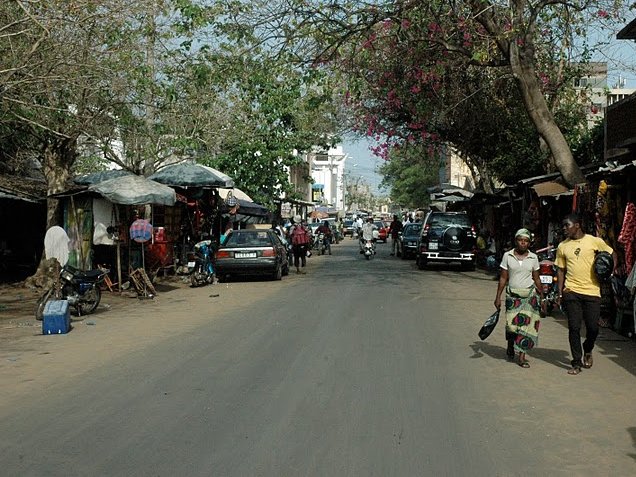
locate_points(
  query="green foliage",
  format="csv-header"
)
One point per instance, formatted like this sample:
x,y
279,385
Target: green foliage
x,y
408,174
277,113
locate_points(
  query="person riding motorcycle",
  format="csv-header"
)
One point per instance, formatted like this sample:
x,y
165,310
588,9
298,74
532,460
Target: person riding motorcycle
x,y
326,231
367,233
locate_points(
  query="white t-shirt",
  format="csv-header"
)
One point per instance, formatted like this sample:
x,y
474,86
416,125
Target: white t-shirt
x,y
367,231
520,271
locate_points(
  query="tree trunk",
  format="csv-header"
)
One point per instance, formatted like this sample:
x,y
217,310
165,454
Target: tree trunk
x,y
58,156
522,64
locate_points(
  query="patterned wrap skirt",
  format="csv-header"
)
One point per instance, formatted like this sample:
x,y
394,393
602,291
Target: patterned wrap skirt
x,y
523,318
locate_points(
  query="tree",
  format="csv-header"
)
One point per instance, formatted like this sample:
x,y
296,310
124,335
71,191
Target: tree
x,y
533,41
59,74
409,173
276,113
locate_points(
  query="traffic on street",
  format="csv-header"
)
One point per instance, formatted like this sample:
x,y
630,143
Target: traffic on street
x,y
357,367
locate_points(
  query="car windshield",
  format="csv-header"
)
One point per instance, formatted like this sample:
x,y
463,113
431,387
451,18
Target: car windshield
x,y
446,220
379,225
248,238
348,223
412,229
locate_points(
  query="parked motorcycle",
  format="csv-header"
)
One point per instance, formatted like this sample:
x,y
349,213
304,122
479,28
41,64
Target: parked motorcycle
x,y
548,277
79,287
202,271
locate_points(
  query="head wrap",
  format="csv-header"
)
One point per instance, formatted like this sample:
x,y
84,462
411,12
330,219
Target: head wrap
x,y
523,233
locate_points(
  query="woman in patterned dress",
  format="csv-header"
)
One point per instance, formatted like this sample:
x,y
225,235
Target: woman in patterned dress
x,y
520,278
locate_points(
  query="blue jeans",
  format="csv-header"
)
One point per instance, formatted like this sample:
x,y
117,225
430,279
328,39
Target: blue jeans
x,y
581,308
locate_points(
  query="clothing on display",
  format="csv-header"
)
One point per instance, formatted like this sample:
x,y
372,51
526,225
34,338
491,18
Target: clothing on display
x,y
627,237
56,243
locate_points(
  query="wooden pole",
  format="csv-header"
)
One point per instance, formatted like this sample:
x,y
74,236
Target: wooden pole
x,y
119,264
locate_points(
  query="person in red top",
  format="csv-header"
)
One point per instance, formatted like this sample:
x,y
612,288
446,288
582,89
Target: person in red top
x,y
326,230
394,229
300,239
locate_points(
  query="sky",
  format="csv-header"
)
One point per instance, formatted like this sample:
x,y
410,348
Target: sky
x,y
361,162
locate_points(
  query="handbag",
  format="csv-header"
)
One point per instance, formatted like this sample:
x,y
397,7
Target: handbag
x,y
489,326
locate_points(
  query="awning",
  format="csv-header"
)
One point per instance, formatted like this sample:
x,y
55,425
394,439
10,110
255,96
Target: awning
x,y
238,193
549,188
190,174
247,207
7,195
134,190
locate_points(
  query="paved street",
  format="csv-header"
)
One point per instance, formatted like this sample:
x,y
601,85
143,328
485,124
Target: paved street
x,y
359,368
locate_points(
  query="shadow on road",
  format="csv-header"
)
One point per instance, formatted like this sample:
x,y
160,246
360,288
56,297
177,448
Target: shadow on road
x,y
555,357
632,433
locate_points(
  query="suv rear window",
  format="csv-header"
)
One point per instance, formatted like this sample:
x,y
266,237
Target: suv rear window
x,y
444,220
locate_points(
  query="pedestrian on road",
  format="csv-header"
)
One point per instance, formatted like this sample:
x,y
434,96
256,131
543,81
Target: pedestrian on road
x,y
520,278
300,240
359,224
579,289
394,229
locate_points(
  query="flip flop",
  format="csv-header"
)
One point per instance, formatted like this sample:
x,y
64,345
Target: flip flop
x,y
574,371
588,360
524,364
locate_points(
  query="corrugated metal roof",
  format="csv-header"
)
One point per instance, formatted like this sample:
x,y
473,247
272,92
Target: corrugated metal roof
x,y
5,195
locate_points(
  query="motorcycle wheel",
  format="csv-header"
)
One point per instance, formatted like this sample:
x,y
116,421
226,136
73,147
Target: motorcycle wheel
x,y
39,310
194,281
90,301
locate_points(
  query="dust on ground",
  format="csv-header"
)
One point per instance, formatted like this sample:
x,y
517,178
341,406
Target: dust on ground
x,y
122,324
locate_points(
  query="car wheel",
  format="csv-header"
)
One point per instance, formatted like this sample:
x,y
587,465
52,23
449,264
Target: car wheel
x,y
468,266
278,274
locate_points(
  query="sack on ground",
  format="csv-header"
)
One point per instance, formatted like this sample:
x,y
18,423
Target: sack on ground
x,y
489,326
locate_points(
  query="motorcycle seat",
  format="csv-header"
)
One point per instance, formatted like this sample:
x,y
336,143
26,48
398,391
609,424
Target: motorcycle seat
x,y
88,275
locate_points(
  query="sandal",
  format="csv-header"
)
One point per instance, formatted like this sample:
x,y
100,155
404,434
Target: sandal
x,y
574,371
522,361
588,361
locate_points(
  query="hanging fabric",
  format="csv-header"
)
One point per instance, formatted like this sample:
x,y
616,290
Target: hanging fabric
x,y
627,237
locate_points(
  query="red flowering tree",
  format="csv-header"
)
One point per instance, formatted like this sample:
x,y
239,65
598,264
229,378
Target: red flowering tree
x,y
400,58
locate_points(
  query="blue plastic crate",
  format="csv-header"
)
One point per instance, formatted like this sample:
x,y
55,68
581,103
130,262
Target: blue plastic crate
x,y
57,318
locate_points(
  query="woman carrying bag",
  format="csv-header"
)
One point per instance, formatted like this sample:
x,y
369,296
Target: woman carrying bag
x,y
520,278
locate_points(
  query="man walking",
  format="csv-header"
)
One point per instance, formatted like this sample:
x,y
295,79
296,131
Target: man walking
x,y
394,229
579,290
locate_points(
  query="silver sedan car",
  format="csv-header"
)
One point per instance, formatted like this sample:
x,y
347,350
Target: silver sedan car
x,y
252,252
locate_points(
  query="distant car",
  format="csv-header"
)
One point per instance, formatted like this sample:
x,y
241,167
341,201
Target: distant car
x,y
383,230
252,252
447,237
348,228
409,239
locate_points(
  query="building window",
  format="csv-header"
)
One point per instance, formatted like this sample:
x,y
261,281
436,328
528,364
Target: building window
x,y
580,82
